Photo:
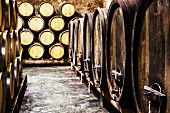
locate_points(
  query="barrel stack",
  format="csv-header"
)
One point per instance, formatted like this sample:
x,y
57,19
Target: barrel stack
x,y
10,54
44,31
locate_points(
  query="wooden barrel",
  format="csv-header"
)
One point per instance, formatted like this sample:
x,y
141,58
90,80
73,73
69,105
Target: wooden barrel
x,y
36,51
17,39
10,82
150,57
16,74
6,14
117,51
75,42
56,23
20,23
67,10
20,65
36,23
5,50
98,45
14,15
64,37
71,40
12,47
2,92
56,51
26,9
46,37
46,9
26,36
80,45
87,35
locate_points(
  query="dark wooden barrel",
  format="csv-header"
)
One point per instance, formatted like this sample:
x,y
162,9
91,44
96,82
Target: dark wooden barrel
x,y
10,82
14,15
150,57
12,47
20,65
71,40
5,50
26,9
46,9
36,51
64,37
87,35
56,23
26,36
46,37
17,39
117,51
66,10
16,74
20,23
36,23
2,92
6,14
56,51
80,45
98,45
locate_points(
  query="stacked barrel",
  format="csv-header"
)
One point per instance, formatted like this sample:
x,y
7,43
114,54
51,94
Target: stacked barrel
x,y
10,54
44,31
124,51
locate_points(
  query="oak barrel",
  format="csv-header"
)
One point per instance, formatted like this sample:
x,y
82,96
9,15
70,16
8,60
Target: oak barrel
x,y
118,49
36,51
36,23
14,15
26,37
20,23
64,37
98,45
87,37
150,57
46,37
46,9
56,51
26,9
56,23
71,40
17,39
2,92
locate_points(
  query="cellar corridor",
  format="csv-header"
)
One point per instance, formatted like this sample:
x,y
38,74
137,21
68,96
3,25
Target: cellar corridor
x,y
57,89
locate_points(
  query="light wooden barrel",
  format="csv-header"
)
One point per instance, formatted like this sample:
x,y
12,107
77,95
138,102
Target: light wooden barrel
x,y
26,9
67,10
36,23
56,51
46,9
26,36
56,23
46,37
36,51
20,23
64,37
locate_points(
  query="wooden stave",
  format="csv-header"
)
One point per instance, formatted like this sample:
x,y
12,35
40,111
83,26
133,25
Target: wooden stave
x,y
87,46
36,44
144,18
102,15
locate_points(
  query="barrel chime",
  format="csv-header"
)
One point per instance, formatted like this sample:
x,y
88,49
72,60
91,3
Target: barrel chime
x,y
43,32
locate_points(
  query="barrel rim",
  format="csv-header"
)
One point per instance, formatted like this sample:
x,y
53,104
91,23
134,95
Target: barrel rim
x,y
27,30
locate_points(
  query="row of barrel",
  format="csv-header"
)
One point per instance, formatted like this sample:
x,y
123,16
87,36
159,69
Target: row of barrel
x,y
125,51
44,33
10,54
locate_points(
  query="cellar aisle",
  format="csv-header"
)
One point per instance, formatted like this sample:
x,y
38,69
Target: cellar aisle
x,y
57,89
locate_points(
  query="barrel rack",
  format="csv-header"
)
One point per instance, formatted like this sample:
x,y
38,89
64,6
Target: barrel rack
x,y
15,105
90,86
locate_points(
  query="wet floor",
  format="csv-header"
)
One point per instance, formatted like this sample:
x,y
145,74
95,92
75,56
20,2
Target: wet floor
x,y
57,89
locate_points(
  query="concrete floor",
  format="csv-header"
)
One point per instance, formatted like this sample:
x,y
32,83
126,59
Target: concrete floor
x,y
57,89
